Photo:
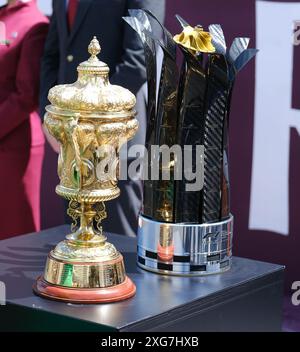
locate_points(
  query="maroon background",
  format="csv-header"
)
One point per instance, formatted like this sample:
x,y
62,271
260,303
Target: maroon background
x,y
237,19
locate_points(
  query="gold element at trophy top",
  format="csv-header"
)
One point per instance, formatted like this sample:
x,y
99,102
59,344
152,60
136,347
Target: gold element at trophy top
x,y
195,39
94,47
92,92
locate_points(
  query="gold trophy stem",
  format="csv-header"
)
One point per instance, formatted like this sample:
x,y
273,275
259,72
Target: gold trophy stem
x,y
88,213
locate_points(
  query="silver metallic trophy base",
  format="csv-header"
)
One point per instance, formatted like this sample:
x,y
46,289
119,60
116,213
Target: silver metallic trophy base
x,y
184,249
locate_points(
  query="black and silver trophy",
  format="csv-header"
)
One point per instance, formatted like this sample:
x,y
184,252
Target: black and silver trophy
x,y
185,230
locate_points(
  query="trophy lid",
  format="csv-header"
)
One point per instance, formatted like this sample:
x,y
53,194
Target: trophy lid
x,y
92,92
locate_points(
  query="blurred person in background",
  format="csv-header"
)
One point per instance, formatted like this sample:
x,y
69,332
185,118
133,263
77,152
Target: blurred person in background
x,y
23,35
73,24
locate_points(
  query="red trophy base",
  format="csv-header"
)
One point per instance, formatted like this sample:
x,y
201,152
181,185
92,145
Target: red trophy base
x,y
116,293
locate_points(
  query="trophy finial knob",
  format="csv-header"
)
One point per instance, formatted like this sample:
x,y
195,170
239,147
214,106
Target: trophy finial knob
x,y
94,47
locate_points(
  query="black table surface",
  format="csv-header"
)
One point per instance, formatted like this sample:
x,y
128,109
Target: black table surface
x,y
22,259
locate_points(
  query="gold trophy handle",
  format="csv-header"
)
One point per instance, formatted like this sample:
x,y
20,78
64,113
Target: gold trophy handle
x,y
72,131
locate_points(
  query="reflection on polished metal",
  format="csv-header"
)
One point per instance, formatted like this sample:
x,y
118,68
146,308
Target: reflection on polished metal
x,y
158,194
141,24
166,123
90,119
185,249
190,131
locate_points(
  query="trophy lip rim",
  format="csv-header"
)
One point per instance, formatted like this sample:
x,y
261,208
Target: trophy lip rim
x,y
228,220
86,114
88,196
119,258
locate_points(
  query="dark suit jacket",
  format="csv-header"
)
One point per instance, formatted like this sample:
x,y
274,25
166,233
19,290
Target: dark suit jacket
x,y
121,48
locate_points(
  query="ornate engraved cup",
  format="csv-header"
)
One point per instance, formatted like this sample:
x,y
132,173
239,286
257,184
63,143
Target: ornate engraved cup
x,y
90,119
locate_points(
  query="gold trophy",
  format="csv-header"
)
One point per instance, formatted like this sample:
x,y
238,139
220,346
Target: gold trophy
x,y
90,119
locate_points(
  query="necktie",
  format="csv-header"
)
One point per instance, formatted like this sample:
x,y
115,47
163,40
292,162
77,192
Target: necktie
x,y
72,9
